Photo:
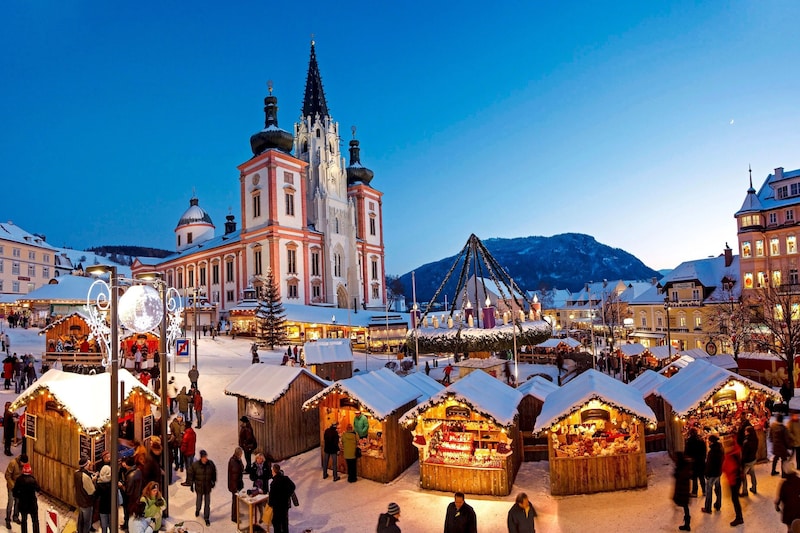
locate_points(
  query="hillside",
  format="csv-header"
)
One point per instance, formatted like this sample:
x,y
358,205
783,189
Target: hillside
x,y
564,261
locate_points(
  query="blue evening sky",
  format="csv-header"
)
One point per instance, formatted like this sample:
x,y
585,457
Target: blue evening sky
x,y
633,122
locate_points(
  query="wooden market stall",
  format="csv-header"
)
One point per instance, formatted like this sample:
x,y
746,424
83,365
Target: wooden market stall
x,y
67,415
146,342
67,340
647,384
271,397
713,400
534,391
382,396
492,366
468,436
594,425
330,359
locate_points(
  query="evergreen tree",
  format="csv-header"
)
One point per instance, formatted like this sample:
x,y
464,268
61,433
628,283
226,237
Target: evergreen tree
x,y
270,314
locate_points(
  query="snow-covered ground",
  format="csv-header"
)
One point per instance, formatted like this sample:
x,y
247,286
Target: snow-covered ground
x,y
343,507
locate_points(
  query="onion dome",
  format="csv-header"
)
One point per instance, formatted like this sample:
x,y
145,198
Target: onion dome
x,y
355,170
271,137
194,215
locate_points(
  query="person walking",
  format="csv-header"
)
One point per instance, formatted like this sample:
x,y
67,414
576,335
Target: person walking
x,y
695,449
780,443
85,493
235,479
521,515
247,440
198,407
387,522
349,447
331,451
789,496
793,433
447,371
9,428
183,403
194,375
188,446
13,471
749,452
172,394
683,479
190,395
460,516
176,429
280,494
732,469
202,478
25,489
713,473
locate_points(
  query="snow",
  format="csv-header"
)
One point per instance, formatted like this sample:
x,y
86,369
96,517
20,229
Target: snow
x,y
66,289
538,387
723,361
426,384
327,507
631,350
697,382
589,386
85,397
380,392
662,352
647,382
553,343
327,351
267,383
487,395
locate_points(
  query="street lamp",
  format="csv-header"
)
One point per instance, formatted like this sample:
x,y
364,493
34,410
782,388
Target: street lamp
x,y
669,337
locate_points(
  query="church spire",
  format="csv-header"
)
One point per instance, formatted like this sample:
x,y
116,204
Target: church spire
x,y
314,100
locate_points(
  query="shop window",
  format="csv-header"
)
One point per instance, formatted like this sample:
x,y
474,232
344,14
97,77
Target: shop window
x,y
759,248
761,279
747,251
791,244
748,280
776,278
774,246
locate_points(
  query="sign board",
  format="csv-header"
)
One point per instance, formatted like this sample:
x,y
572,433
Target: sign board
x,y
99,447
30,426
457,411
182,350
92,447
148,424
86,449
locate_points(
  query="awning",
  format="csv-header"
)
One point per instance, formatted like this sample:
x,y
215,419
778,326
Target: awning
x,y
647,335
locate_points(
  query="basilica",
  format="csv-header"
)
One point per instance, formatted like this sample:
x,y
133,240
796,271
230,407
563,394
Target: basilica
x,y
306,214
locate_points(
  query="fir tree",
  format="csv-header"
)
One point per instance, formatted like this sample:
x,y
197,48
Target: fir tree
x,y
270,314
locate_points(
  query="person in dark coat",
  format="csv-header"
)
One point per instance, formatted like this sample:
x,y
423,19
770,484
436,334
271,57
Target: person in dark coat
x,y
387,522
460,516
331,451
521,515
695,449
779,438
202,477
133,488
749,452
713,473
789,496
151,464
235,478
247,440
25,489
261,472
732,470
683,477
9,429
280,493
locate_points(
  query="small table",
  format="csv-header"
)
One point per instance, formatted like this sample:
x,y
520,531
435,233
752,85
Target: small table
x,y
250,502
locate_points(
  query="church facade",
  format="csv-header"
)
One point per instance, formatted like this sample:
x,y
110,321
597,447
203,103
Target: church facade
x,y
307,215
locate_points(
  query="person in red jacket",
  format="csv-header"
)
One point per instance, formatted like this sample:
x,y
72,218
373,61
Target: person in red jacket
x,y
732,470
198,407
188,445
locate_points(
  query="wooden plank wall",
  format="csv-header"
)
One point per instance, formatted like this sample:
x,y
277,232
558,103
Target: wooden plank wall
x,y
488,481
656,440
533,448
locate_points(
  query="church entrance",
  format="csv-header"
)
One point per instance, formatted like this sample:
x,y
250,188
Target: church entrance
x,y
341,297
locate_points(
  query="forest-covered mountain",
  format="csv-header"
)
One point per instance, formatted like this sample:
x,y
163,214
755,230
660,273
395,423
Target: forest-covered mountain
x,y
564,261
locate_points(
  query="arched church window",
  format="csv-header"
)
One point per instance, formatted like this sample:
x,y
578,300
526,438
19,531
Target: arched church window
x,y
305,146
317,133
336,225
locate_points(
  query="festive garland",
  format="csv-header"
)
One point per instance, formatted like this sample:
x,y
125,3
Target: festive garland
x,y
753,385
465,339
581,406
410,418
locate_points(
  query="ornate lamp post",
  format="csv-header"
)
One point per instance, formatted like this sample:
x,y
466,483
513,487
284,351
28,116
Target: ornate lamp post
x,y
669,337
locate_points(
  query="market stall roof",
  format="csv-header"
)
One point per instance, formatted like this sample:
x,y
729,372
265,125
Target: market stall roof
x,y
663,352
553,343
267,383
380,392
647,382
327,351
63,319
760,355
84,397
698,382
538,387
489,362
631,350
426,384
482,393
722,360
591,385
73,289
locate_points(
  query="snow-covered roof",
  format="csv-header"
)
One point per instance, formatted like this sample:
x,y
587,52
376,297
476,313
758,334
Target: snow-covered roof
x,y
61,289
9,298
647,382
380,392
482,393
591,385
85,397
766,198
83,316
267,383
708,272
426,384
724,360
538,387
489,362
553,343
760,355
337,315
630,350
327,351
11,232
87,259
662,352
698,382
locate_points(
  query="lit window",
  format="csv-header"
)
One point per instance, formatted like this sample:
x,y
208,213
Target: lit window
x,y
791,244
698,322
774,246
748,280
761,279
759,248
682,321
776,278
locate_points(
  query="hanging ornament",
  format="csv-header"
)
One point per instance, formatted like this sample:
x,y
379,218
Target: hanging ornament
x,y
140,308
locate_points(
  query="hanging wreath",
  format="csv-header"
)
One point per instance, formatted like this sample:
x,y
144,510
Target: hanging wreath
x,y
466,339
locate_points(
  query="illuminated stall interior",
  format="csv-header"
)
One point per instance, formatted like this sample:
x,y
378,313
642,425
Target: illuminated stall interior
x,y
595,430
68,340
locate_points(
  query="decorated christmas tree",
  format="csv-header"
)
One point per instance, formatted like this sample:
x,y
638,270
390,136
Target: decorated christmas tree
x,y
270,315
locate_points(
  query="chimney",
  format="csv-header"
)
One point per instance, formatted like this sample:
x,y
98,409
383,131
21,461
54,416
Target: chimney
x,y
230,225
728,255
779,173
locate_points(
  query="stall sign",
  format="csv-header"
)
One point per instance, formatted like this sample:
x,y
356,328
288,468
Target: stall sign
x,y
86,448
457,411
30,426
99,447
724,395
595,414
148,424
